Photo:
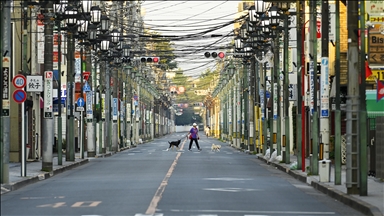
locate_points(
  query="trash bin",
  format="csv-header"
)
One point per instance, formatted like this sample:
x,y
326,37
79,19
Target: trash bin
x,y
324,170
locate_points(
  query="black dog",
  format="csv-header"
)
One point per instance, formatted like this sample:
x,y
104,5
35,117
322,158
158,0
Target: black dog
x,y
174,143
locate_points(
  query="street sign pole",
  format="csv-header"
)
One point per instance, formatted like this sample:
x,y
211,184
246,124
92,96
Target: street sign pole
x,y
81,134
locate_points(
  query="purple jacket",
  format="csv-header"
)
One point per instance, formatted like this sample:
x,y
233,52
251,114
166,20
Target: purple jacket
x,y
194,132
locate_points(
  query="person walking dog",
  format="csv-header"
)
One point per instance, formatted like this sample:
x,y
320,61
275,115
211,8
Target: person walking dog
x,y
193,135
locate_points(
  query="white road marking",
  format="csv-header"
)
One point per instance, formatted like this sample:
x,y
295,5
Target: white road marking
x,y
302,186
149,214
229,179
257,213
86,204
55,205
232,189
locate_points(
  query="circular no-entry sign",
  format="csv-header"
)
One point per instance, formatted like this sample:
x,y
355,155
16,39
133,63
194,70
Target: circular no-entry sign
x,y
19,96
19,81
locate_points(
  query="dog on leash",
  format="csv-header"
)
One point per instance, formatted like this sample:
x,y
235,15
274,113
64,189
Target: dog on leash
x,y
173,144
215,148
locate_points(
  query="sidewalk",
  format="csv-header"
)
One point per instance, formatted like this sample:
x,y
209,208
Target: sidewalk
x,y
373,204
34,173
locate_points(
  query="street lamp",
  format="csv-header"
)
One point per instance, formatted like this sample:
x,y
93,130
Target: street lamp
x,y
115,39
71,20
95,15
259,7
238,43
59,10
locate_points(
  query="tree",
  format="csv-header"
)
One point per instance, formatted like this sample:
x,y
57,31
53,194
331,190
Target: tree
x,y
160,46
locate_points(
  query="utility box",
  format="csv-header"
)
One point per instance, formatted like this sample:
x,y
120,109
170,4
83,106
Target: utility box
x,y
324,170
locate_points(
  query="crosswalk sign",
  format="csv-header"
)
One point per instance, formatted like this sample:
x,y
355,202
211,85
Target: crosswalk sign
x,y
86,87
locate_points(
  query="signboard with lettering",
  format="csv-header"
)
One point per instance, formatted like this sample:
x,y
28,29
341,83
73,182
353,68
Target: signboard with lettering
x,y
377,73
312,85
324,88
376,49
114,109
102,107
48,94
89,104
129,112
34,83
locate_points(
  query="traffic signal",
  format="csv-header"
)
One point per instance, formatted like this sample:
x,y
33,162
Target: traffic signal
x,y
214,55
146,59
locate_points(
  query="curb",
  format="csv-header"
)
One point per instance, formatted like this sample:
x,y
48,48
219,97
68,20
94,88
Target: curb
x,y
351,201
348,200
22,183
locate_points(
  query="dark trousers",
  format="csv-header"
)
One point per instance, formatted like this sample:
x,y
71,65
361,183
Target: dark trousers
x,y
196,142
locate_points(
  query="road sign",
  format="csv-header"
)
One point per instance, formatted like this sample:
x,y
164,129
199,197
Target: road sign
x,y
80,102
86,87
19,96
80,109
19,81
86,75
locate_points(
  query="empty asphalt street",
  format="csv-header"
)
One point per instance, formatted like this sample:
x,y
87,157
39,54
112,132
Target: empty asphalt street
x,y
148,180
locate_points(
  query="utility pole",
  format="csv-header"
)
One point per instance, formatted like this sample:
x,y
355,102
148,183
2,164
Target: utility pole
x,y
286,137
353,131
337,99
59,118
116,82
107,106
300,130
48,122
70,138
24,157
2,162
91,144
251,106
363,166
313,74
6,52
324,82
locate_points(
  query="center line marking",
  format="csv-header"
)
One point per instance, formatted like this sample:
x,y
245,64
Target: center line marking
x,y
157,197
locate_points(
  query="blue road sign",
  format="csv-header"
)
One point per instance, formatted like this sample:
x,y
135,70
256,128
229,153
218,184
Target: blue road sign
x,y
19,96
86,87
80,102
324,113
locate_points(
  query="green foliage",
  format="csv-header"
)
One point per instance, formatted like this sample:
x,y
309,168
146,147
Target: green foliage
x,y
161,48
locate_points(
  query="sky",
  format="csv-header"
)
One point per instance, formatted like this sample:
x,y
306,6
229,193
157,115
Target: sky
x,y
200,18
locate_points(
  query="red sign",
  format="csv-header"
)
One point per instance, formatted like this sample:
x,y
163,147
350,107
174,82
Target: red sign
x,y
86,75
19,81
181,89
318,24
19,96
48,75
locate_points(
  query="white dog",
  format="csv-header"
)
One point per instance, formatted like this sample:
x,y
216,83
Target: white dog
x,y
215,148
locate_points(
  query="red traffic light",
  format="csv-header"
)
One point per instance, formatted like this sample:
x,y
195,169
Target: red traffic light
x,y
214,54
146,59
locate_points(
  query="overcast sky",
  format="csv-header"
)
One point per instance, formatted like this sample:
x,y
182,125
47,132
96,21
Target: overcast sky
x,y
202,18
